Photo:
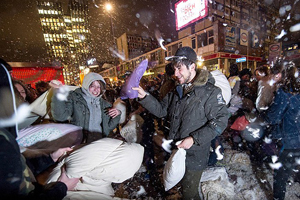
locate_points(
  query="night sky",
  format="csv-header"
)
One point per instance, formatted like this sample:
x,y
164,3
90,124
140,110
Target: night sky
x,y
22,37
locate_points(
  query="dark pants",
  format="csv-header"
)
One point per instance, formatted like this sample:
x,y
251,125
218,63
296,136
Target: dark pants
x,y
281,175
191,185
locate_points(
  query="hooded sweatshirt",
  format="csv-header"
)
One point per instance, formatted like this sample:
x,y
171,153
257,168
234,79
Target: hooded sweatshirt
x,y
92,101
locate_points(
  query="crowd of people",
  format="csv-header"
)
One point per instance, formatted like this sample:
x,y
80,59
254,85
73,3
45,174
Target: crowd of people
x,y
184,103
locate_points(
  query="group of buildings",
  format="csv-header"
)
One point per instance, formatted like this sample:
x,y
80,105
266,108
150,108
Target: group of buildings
x,y
221,32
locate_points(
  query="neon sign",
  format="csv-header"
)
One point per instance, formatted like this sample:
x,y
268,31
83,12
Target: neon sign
x,y
189,11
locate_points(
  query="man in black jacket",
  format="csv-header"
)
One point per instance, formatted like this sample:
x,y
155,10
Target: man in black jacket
x,y
197,113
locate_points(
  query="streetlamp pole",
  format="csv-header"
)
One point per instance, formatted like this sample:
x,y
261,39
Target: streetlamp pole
x,y
112,30
108,8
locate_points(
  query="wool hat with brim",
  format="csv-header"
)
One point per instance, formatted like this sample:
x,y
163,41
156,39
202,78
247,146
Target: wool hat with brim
x,y
183,53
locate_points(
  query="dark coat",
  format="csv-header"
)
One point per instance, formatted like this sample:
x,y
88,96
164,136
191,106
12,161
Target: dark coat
x,y
16,179
285,115
77,111
200,113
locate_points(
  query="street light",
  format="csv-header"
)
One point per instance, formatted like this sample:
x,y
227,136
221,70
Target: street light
x,y
108,7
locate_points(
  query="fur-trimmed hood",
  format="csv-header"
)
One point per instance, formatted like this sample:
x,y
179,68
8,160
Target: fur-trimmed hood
x,y
202,77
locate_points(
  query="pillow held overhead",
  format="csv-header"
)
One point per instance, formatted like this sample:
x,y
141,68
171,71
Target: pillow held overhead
x,y
133,81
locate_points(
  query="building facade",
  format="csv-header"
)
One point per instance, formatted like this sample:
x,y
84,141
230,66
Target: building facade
x,y
67,35
132,45
222,32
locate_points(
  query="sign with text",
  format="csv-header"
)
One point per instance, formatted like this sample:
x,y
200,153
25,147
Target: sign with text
x,y
189,11
243,59
243,37
230,39
274,52
254,40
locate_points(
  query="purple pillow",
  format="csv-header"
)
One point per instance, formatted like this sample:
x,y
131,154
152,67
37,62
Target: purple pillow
x,y
133,81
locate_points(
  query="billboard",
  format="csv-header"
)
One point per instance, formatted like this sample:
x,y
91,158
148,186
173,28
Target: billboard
x,y
189,11
230,43
243,37
274,52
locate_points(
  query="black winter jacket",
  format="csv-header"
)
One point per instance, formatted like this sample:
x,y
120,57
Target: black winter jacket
x,y
201,113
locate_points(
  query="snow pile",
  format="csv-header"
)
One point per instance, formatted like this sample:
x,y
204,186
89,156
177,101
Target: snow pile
x,y
240,179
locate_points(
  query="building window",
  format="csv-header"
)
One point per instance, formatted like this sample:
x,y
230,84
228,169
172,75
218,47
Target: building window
x,y
193,42
235,14
202,40
227,11
179,45
245,16
235,3
211,37
218,6
169,51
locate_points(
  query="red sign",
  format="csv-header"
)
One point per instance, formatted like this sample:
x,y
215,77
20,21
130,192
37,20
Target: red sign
x,y
208,57
189,11
31,75
274,47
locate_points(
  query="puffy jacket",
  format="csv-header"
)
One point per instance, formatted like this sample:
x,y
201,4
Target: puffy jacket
x,y
201,113
284,113
77,111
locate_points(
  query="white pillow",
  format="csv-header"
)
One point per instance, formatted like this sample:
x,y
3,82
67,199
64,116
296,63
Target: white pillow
x,y
222,82
101,163
174,169
132,131
121,106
